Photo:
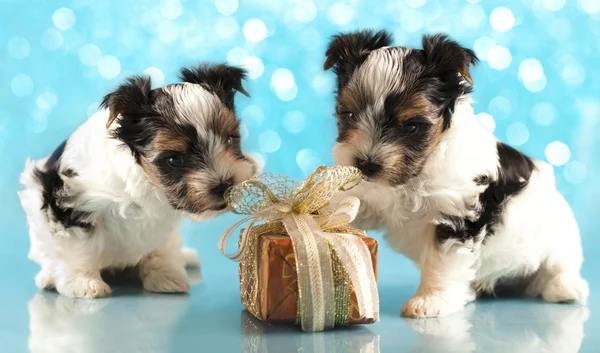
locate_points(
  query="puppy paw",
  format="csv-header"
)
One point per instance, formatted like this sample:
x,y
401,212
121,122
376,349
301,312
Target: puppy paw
x,y
83,287
44,280
167,280
562,288
428,306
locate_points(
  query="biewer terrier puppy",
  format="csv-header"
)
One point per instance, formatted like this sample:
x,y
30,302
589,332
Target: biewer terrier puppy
x,y
113,194
474,214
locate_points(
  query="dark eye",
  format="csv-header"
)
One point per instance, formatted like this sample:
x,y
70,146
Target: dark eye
x,y
231,140
346,115
409,128
175,161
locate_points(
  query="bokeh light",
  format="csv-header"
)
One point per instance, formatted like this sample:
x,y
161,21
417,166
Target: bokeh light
x,y
21,85
255,30
517,134
502,19
63,18
499,57
557,153
18,47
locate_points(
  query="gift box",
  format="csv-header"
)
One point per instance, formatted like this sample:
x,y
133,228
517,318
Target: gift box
x,y
300,260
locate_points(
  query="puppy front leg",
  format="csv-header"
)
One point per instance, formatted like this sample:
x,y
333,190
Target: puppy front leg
x,y
81,280
163,270
446,276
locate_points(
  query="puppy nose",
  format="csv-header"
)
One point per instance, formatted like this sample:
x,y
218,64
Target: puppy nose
x,y
368,168
220,189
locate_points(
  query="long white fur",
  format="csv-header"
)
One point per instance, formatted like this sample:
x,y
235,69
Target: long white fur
x,y
134,223
538,234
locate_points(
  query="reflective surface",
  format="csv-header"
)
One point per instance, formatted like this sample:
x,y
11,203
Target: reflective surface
x,y
536,87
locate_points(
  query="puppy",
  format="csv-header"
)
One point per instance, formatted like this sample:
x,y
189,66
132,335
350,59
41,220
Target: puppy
x,y
113,194
472,213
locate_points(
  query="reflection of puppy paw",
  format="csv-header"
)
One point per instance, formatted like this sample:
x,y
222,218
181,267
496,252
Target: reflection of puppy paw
x,y
455,326
167,280
83,287
428,306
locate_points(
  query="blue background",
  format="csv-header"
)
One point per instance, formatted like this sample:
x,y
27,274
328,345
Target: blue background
x,y
536,86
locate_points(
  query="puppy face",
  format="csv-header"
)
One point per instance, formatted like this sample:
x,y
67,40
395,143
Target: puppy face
x,y
185,136
394,103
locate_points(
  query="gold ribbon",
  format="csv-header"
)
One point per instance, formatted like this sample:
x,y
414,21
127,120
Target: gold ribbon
x,y
301,209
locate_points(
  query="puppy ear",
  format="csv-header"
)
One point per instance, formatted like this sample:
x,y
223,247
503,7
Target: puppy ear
x,y
347,51
222,79
133,94
448,56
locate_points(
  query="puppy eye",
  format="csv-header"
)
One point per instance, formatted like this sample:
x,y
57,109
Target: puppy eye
x,y
175,161
231,140
347,115
409,128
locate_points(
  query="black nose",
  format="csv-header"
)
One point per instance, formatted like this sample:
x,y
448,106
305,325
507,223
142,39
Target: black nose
x,y
220,189
368,168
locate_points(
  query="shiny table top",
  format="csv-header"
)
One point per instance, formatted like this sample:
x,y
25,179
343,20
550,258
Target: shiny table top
x,y
211,318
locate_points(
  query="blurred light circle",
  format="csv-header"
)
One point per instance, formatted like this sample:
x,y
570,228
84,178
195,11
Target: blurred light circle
x,y
472,1
109,66
590,6
412,21
255,30
18,47
89,55
557,153
415,3
573,74
269,141
167,32
227,7
253,116
517,134
487,121
39,114
37,126
310,39
170,9
305,11
482,47
472,15
284,85
236,56
340,13
63,18
575,172
531,73
260,159
92,109
553,5
544,113
21,85
244,132
294,121
499,57
254,66
500,107
52,38
323,83
308,161
502,19
46,101
559,28
156,75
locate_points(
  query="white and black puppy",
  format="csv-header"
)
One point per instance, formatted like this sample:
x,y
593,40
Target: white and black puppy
x,y
113,194
473,213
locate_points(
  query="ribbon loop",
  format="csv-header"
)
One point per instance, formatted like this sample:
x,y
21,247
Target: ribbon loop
x,y
302,209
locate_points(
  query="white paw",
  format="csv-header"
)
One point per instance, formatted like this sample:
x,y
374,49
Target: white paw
x,y
167,280
428,306
44,280
83,287
563,288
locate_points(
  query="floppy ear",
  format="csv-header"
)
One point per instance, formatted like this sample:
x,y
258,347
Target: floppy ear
x,y
222,79
134,94
347,51
448,56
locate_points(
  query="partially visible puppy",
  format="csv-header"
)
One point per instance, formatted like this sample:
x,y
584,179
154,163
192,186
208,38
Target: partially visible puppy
x,y
472,213
113,194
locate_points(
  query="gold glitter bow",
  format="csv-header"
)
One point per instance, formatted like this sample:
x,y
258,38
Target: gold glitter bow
x,y
301,208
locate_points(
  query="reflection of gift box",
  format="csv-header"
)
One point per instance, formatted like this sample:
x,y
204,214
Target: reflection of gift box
x,y
270,284
262,337
300,260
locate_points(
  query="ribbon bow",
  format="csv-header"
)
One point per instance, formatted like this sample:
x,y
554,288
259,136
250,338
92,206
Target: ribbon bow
x,y
303,210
